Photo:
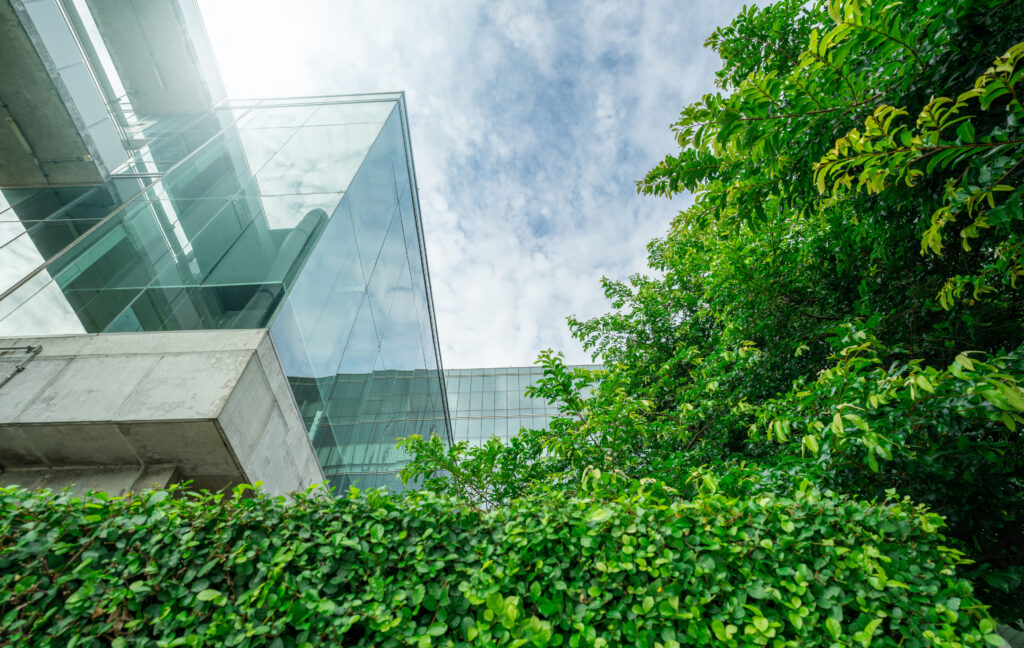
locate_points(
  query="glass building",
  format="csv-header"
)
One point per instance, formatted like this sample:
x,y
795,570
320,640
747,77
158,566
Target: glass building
x,y
299,216
136,199
492,402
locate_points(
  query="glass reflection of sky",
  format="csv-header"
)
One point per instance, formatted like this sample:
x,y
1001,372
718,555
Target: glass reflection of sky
x,y
492,402
356,320
281,173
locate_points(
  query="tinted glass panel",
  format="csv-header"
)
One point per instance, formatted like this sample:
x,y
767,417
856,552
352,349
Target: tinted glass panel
x,y
300,218
491,402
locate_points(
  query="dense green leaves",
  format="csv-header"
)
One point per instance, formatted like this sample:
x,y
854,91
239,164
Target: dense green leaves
x,y
807,320
944,140
842,300
631,564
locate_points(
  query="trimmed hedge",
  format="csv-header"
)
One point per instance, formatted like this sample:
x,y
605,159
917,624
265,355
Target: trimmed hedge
x,y
641,568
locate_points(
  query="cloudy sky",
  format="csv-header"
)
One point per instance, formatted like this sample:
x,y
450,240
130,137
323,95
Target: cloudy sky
x,y
530,124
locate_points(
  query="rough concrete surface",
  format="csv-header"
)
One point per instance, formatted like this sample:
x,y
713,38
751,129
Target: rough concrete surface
x,y
213,405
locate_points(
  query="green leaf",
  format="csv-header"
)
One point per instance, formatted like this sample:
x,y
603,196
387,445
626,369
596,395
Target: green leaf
x,y
811,442
837,423
437,629
833,627
496,603
719,629
140,587
599,515
1012,395
872,460
208,595
965,131
858,421
964,362
547,607
866,635
925,384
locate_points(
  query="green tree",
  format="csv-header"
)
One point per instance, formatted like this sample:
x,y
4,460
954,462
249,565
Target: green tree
x,y
842,301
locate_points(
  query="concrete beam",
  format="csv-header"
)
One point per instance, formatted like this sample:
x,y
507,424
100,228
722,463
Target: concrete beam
x,y
54,126
215,405
113,480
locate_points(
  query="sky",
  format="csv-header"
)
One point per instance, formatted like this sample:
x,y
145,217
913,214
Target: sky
x,y
530,124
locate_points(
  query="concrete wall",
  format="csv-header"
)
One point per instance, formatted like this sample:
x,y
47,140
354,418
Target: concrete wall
x,y
213,406
54,124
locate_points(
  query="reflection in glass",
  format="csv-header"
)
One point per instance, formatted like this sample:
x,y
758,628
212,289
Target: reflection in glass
x,y
489,402
300,218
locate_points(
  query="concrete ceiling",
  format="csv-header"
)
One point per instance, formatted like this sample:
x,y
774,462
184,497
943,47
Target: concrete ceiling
x,y
42,138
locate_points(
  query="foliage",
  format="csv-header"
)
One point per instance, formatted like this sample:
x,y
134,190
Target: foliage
x,y
611,429
807,312
630,564
945,138
948,438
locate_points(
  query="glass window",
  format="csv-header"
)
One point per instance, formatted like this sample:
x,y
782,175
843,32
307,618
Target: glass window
x,y
501,428
486,427
318,159
400,344
256,147
387,271
453,400
286,116
374,203
488,401
353,113
290,218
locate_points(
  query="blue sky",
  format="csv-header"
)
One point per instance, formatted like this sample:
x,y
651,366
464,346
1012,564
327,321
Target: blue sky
x,y
530,124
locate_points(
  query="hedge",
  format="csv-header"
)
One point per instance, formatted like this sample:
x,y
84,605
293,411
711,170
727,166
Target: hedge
x,y
642,568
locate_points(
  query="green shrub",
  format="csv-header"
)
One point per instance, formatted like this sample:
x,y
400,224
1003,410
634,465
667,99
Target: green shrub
x,y
640,568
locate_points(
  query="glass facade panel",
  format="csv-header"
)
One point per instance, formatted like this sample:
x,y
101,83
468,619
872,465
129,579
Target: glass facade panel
x,y
362,327
376,112
158,143
37,224
492,402
299,216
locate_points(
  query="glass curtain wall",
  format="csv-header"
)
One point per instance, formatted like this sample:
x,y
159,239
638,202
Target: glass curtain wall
x,y
493,402
38,223
297,215
356,330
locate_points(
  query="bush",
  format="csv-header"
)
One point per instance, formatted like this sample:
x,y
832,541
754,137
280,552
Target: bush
x,y
641,567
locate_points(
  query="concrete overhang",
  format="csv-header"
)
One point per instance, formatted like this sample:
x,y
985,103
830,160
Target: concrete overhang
x,y
161,53
121,411
54,125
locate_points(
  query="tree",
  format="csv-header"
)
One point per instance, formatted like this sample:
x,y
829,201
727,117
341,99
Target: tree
x,y
842,301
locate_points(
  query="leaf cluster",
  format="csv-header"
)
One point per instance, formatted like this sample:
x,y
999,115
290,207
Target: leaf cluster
x,y
807,313
629,564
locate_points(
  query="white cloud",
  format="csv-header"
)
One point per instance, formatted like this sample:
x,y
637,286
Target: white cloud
x,y
530,124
